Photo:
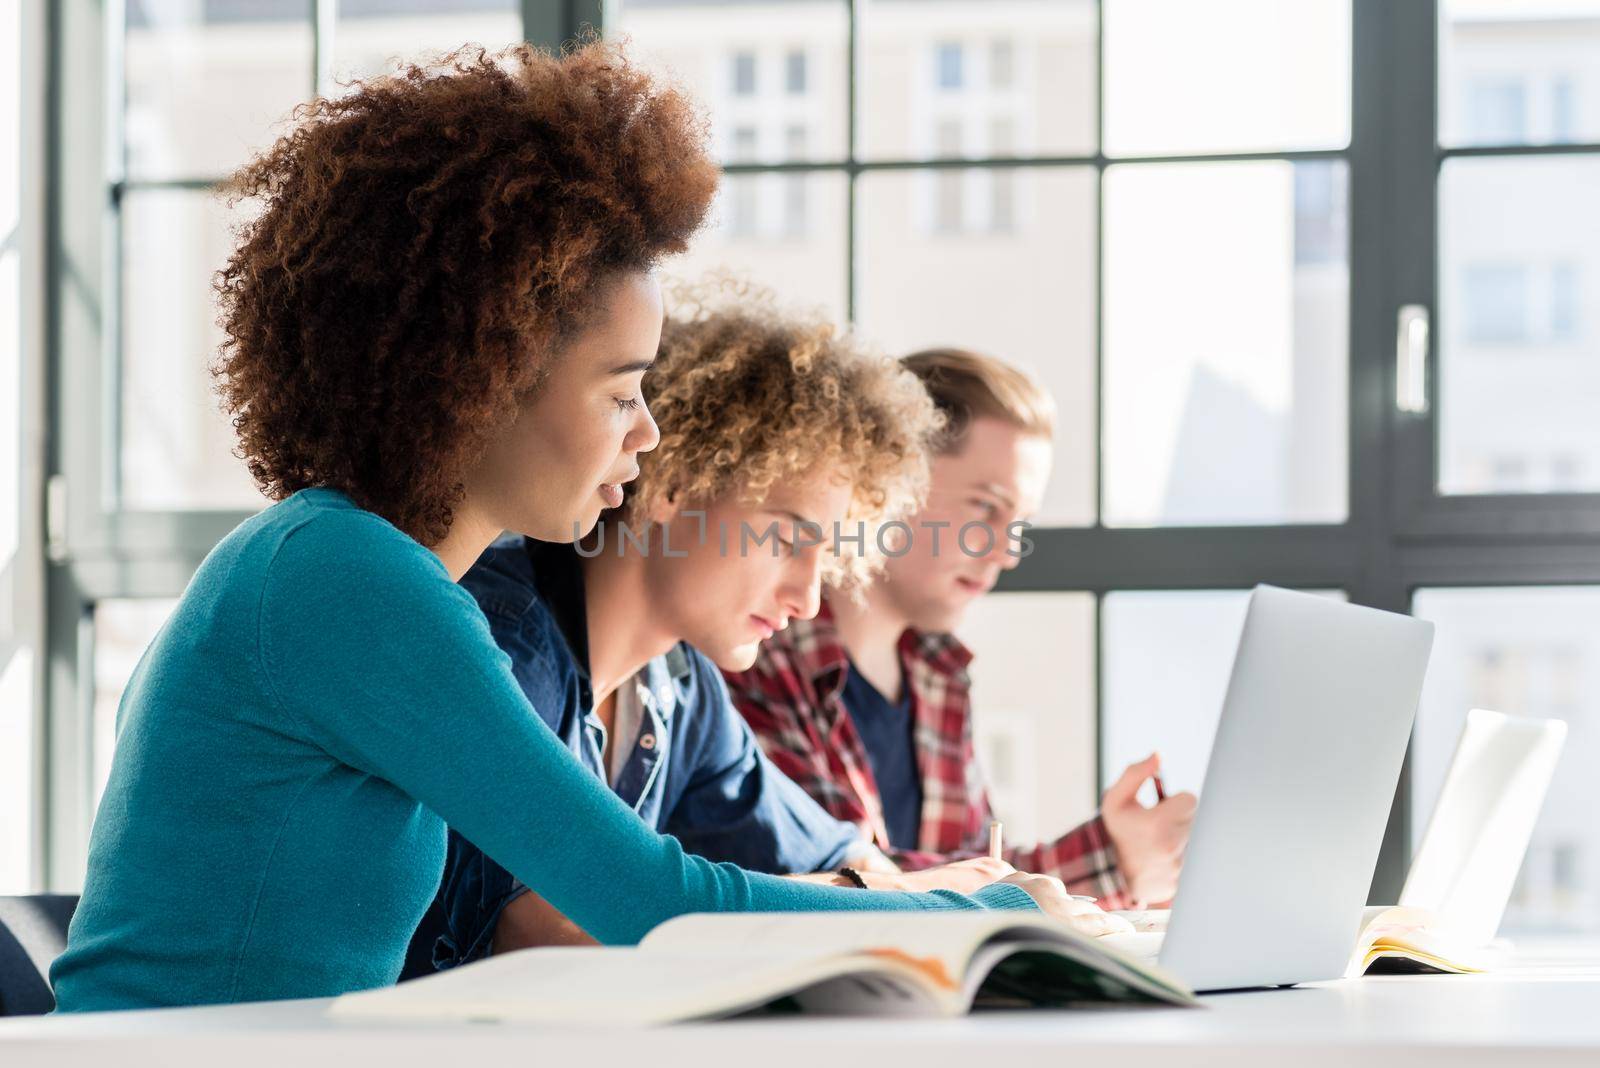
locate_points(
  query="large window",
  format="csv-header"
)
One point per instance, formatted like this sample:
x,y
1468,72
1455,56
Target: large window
x,y
1518,239
1313,285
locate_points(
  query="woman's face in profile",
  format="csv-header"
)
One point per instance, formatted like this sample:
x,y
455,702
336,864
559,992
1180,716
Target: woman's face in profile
x,y
574,446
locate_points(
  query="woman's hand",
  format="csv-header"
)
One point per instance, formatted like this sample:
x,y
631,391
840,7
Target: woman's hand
x,y
1054,901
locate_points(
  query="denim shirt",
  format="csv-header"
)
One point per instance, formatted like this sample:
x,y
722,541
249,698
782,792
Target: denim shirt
x,y
694,770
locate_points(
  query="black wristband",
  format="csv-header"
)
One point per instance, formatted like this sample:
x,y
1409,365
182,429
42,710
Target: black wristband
x,y
855,878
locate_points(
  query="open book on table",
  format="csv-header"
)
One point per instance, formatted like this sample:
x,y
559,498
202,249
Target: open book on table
x,y
1398,940
1392,940
712,965
1461,878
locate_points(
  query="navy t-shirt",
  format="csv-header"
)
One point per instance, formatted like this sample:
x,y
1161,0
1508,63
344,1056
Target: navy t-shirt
x,y
886,732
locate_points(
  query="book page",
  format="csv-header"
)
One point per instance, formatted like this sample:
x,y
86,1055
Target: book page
x,y
945,939
622,986
1058,975
879,993
1396,934
942,945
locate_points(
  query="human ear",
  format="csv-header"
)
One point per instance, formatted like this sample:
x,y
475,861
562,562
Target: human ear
x,y
664,509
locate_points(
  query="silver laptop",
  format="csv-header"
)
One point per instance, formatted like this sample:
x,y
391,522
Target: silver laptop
x,y
1297,793
1470,855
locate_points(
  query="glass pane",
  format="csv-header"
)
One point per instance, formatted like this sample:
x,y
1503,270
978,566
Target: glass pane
x,y
375,36
10,423
1517,72
1226,353
16,772
1519,278
16,662
207,84
1035,743
123,630
10,301
951,78
1165,658
1522,651
783,231
177,448
763,69
1226,76
1000,261
10,127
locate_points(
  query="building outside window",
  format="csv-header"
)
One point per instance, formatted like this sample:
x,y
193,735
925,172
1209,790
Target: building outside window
x,y
744,73
1498,111
948,64
794,72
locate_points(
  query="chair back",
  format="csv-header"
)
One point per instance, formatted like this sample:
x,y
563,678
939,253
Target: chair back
x,y
33,932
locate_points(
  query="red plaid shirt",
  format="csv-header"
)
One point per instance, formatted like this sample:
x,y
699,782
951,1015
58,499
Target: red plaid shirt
x,y
792,700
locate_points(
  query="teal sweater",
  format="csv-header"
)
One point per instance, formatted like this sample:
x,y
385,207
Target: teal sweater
x,y
290,748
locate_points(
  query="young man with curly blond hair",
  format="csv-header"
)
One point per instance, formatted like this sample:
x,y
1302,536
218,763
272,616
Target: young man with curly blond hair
x,y
867,704
774,430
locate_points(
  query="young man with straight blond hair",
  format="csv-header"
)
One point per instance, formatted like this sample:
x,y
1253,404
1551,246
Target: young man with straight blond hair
x,y
867,705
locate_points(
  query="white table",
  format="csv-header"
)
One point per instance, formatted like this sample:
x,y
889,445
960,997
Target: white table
x,y
1544,1010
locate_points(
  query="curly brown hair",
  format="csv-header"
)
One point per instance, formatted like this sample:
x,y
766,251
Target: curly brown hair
x,y
747,395
427,241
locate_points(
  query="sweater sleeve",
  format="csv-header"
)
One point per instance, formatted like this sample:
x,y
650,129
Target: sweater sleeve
x,y
382,661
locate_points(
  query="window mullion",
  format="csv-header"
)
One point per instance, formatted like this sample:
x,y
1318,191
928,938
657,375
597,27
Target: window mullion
x,y
324,24
852,181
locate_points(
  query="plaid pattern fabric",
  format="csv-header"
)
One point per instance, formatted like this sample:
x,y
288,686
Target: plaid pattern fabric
x,y
791,698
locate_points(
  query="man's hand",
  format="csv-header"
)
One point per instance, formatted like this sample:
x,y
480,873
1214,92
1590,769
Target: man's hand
x,y
1149,841
962,876
1053,900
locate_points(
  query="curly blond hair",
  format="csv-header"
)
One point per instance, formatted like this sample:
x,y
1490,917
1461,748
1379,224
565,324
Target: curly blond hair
x,y
748,395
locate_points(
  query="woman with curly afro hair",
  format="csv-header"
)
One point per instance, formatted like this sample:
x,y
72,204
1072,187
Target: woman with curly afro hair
x,y
436,330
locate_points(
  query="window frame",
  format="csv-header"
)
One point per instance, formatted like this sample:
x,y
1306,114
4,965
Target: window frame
x,y
1421,511
22,577
1399,534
